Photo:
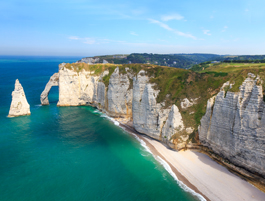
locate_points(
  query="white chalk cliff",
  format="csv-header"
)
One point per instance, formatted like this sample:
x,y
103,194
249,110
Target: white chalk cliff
x,y
234,125
119,95
19,105
76,88
129,96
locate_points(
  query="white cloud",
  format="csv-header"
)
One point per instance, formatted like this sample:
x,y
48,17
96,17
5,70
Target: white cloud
x,y
95,41
89,41
73,38
86,40
162,40
174,16
111,41
165,26
138,11
133,33
225,28
206,32
230,40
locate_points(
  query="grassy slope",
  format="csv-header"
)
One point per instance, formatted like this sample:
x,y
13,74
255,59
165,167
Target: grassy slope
x,y
237,72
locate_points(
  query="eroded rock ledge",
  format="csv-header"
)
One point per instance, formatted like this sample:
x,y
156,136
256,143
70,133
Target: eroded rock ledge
x,y
19,105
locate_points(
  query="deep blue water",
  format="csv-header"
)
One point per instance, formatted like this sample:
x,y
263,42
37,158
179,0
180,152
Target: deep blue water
x,y
70,153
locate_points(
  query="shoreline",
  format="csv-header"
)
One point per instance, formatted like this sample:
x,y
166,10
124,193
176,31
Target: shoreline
x,y
155,153
201,173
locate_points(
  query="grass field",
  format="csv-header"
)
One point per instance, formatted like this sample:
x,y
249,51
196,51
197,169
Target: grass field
x,y
233,67
237,72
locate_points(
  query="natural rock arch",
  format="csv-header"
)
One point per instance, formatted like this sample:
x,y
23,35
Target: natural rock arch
x,y
54,81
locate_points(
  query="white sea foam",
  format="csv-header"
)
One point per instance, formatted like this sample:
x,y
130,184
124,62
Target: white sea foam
x,y
180,183
113,120
38,105
142,143
97,111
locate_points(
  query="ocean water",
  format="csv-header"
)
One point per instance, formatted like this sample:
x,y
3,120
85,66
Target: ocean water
x,y
71,153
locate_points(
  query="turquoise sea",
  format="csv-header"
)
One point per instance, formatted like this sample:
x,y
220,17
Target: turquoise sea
x,y
70,153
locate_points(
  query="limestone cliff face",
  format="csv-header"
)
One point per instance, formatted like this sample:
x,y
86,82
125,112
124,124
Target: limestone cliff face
x,y
76,88
148,115
54,81
19,105
128,96
174,125
119,95
234,125
101,95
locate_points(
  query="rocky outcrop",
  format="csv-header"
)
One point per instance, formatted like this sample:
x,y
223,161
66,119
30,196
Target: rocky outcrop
x,y
54,81
89,60
185,103
19,105
234,125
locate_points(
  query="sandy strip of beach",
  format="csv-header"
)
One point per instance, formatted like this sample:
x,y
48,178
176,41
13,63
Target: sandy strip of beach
x,y
210,178
202,174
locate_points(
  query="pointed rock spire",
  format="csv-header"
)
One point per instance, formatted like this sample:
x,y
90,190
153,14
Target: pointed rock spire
x,y
19,105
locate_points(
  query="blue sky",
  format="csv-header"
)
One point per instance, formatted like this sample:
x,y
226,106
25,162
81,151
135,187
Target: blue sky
x,y
88,27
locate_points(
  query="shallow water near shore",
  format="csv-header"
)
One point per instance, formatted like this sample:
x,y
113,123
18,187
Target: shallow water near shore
x,y
70,153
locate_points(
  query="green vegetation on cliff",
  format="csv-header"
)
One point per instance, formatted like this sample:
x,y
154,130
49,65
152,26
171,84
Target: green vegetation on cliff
x,y
237,72
95,69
